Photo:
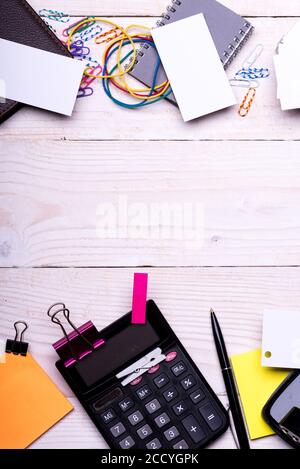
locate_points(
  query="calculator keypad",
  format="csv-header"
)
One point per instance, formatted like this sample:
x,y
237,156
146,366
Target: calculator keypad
x,y
168,408
135,418
144,392
144,432
126,404
170,394
153,406
127,443
162,420
118,429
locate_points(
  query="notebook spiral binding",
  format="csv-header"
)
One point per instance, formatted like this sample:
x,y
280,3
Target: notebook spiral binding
x,y
228,55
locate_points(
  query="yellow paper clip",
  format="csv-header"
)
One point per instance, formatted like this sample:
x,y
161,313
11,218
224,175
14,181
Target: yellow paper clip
x,y
247,102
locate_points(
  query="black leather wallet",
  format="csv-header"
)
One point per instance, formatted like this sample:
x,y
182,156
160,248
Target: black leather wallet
x,y
20,23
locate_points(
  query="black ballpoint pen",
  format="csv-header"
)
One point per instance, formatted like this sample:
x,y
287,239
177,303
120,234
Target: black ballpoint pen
x,y
229,381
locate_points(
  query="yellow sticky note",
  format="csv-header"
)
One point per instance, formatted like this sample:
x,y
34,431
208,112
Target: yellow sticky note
x,y
256,385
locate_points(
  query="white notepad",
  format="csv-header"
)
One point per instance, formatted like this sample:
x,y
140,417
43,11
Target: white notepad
x,y
39,78
193,67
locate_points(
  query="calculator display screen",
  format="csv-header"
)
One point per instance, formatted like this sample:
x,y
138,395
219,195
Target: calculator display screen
x,y
119,349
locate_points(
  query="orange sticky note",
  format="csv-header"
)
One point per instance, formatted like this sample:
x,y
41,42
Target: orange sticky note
x,y
30,403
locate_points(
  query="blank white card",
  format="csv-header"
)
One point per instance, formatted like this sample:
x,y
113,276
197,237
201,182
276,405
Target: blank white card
x,y
39,78
193,67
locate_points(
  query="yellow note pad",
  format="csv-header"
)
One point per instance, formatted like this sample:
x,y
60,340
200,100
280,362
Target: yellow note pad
x,y
256,384
30,403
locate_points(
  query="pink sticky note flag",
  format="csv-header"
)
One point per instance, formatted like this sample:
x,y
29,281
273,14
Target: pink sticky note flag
x,y
139,298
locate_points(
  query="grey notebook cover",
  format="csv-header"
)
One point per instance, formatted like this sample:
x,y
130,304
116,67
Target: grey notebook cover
x,y
229,32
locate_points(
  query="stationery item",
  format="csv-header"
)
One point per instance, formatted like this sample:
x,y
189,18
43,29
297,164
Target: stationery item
x,y
54,15
213,91
30,403
255,384
282,411
23,25
15,346
89,33
253,56
85,92
281,342
88,23
228,30
77,344
139,298
244,83
116,75
247,102
287,68
48,81
231,390
142,389
253,73
108,36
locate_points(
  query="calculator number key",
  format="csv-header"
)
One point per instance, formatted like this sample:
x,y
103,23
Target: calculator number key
x,y
211,417
144,432
171,434
126,404
161,380
108,416
127,443
179,408
154,444
188,382
117,429
144,392
178,369
135,418
153,406
162,420
170,394
193,428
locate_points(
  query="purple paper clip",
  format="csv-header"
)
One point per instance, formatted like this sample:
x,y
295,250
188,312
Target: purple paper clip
x,y
85,92
79,343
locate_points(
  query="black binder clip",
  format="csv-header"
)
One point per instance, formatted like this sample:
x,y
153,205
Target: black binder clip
x,y
17,346
77,344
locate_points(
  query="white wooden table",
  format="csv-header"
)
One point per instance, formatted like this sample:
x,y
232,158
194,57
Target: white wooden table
x,y
245,174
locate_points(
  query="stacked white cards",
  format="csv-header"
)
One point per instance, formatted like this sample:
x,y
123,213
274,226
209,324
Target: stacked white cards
x,y
287,67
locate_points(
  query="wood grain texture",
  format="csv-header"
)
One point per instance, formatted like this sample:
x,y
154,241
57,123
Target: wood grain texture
x,y
51,191
156,7
97,117
238,295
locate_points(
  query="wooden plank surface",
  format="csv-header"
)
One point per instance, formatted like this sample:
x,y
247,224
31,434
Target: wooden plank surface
x,y
97,117
156,7
238,295
51,191
56,172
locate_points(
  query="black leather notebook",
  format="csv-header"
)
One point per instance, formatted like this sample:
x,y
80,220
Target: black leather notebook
x,y
20,23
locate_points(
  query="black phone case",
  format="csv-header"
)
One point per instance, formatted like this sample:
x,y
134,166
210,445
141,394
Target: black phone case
x,y
266,412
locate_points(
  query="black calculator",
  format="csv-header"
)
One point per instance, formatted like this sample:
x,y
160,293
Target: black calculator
x,y
143,391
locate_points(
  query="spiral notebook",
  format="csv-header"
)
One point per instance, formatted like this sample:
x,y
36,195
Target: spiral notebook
x,y
229,32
